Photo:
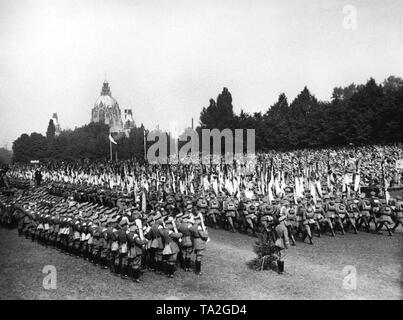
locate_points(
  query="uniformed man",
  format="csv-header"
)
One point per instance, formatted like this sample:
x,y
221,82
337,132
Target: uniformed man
x,y
365,212
375,209
291,222
341,213
186,245
199,235
398,213
230,212
385,218
282,243
213,211
170,236
304,226
319,215
156,245
136,247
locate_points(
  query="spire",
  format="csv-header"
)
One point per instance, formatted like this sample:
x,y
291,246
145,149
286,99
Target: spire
x,y
106,91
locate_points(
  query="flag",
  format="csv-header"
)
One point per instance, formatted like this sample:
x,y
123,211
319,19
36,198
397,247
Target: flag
x,y
111,139
144,201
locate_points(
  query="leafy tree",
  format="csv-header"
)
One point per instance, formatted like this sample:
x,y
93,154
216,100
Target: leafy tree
x,y
5,156
51,131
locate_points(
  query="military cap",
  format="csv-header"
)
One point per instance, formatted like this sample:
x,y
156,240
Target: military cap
x,y
168,220
149,219
123,222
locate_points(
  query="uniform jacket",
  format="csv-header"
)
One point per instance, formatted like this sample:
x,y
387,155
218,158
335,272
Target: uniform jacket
x,y
199,237
282,241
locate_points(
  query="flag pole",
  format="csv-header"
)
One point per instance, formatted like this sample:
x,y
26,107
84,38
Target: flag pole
x,y
110,148
145,145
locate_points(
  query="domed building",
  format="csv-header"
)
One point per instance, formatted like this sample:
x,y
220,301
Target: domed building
x,y
106,110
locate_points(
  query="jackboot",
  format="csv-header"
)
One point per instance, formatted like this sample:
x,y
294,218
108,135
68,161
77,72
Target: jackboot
x,y
124,272
198,267
188,262
116,269
135,275
170,270
282,266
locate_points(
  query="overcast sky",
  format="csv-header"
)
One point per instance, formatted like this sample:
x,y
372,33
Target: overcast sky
x,y
166,59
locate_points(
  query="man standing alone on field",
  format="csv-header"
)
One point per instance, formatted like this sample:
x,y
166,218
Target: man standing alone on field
x,y
282,243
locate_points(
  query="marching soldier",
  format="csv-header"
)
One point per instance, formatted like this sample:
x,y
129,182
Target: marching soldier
x,y
375,209
267,220
202,205
353,213
230,212
398,212
341,213
250,215
304,227
319,215
291,222
385,218
214,211
365,209
310,217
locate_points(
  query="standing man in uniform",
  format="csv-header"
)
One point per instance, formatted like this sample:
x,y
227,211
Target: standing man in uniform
x,y
281,243
199,237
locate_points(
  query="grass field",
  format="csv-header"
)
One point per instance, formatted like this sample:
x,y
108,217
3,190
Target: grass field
x,y
312,272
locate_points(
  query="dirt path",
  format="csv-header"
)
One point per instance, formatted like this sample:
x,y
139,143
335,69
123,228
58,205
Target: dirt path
x,y
312,272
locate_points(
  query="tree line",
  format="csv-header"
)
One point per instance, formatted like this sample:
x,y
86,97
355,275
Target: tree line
x,y
87,142
357,114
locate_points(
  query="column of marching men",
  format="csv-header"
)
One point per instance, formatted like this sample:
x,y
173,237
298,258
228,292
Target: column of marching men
x,y
128,216
123,239
336,212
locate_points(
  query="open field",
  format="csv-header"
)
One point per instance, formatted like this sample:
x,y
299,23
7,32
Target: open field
x,y
312,272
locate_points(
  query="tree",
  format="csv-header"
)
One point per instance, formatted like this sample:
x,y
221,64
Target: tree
x,y
5,156
51,131
266,253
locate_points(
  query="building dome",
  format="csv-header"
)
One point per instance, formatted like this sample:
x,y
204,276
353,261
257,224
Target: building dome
x,y
106,100
106,109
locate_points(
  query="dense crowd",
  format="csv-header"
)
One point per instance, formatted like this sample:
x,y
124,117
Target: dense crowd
x,y
127,217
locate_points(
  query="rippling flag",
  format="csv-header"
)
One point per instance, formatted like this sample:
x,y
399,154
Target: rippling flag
x,y
111,139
